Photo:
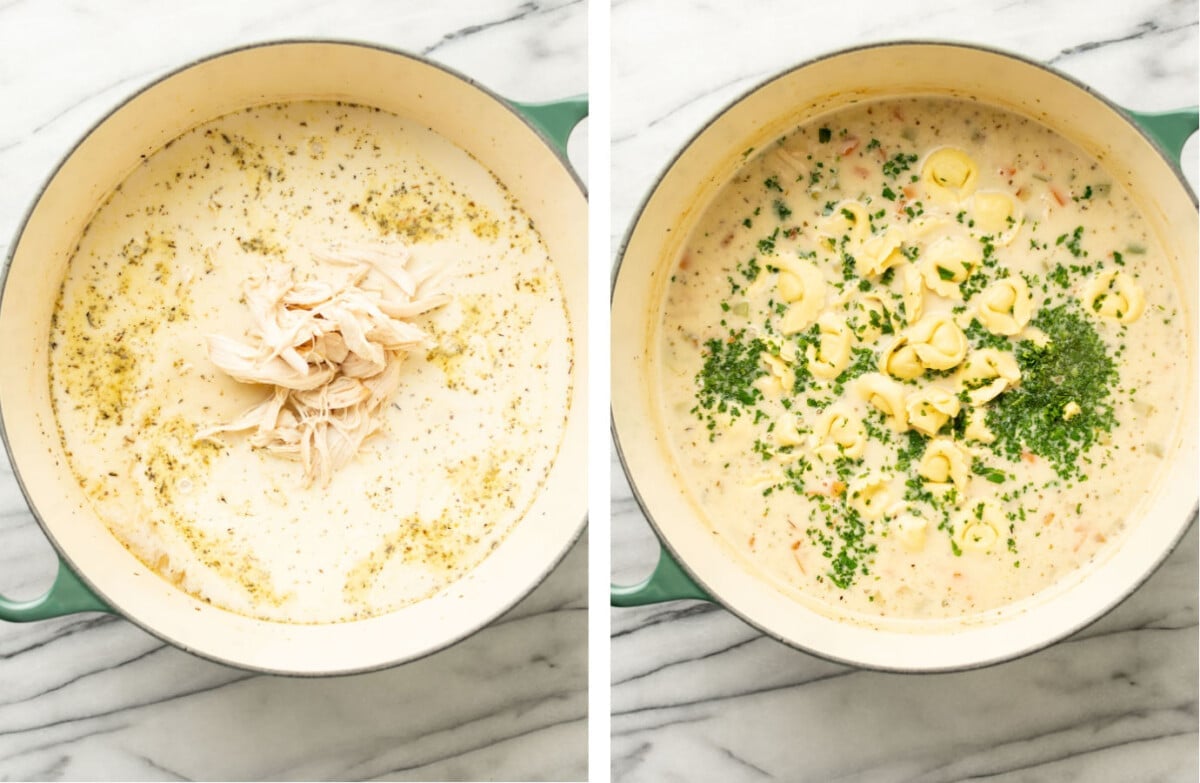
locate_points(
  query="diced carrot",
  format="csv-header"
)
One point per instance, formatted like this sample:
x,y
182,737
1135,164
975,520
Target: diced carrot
x,y
1029,457
849,146
1021,193
909,191
837,488
685,262
1048,518
751,540
725,242
1008,171
795,545
862,171
1059,196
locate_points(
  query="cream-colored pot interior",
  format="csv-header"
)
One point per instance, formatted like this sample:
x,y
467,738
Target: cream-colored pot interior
x,y
461,112
680,198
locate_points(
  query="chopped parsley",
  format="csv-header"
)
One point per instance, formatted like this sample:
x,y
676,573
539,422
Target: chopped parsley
x,y
1074,367
898,164
726,382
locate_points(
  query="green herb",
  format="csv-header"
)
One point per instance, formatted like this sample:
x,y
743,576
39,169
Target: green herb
x,y
782,210
994,475
912,448
750,269
899,163
1059,276
848,267
853,553
824,135
767,244
980,337
862,362
726,381
772,183
888,193
1073,367
1072,242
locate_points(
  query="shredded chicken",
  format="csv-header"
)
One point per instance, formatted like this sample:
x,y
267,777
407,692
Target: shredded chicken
x,y
331,349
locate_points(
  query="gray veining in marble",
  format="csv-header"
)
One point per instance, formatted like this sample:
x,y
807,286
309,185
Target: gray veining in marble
x,y
700,696
93,696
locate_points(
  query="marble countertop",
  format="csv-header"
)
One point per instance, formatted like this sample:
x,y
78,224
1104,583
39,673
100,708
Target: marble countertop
x,y
93,696
698,695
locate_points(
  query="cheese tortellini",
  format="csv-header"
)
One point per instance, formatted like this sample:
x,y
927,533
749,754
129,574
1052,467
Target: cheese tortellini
x,y
978,528
997,214
802,285
849,218
787,430
987,373
839,433
930,408
950,175
938,342
913,296
870,495
780,377
831,354
1005,306
881,254
977,428
947,262
933,343
944,465
900,360
870,317
886,396
1114,294
910,530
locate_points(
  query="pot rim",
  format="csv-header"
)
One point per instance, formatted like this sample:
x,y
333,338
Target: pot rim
x,y
550,564
638,214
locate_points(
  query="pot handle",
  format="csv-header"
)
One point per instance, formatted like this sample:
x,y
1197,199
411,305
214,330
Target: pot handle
x,y
1171,129
555,119
668,582
68,595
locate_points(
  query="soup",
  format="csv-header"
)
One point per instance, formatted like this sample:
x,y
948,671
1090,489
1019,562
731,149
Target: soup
x,y
920,359
464,445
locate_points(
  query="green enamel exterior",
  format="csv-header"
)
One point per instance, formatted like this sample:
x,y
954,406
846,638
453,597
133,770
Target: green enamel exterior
x,y
669,582
556,119
67,595
1171,129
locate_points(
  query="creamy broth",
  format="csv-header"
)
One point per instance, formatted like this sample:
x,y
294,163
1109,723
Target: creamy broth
x,y
920,359
466,443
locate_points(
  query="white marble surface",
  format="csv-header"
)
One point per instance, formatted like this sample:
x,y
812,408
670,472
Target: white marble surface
x,y
700,696
94,697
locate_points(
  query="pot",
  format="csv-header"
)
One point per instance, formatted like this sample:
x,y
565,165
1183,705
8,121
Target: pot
x,y
523,145
1139,150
